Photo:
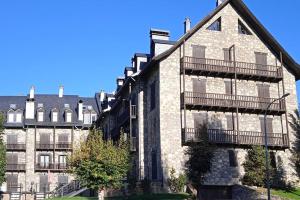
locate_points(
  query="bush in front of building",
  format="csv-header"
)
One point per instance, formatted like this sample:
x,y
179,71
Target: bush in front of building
x,y
176,184
295,124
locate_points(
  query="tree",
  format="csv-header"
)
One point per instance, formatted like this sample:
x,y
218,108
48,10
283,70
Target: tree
x,y
200,156
2,151
295,124
100,164
255,167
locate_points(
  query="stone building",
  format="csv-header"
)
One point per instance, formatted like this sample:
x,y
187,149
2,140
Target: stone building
x,y
224,71
40,132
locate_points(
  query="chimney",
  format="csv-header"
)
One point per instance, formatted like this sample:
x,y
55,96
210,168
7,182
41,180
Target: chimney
x,y
31,93
102,96
61,91
187,25
157,34
120,82
219,2
80,110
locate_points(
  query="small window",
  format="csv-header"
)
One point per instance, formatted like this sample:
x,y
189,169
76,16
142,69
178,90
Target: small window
x,y
243,29
54,116
68,117
232,158
152,97
40,116
19,118
10,116
215,26
87,117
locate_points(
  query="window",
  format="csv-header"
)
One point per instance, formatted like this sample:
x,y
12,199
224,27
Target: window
x,y
228,87
230,122
227,54
243,29
94,118
11,139
232,158
44,161
54,116
154,165
44,185
63,141
40,116
215,26
12,182
152,96
68,115
18,117
10,116
87,117
62,161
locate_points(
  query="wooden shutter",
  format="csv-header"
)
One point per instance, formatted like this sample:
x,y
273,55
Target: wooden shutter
x,y
12,139
12,182
198,51
44,187
227,55
199,120
63,138
12,158
228,87
230,122
261,63
45,138
199,86
269,126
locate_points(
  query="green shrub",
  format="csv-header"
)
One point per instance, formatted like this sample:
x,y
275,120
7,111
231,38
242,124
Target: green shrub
x,y
176,184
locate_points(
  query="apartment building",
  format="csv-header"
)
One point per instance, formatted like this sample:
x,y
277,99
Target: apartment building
x,y
41,130
223,72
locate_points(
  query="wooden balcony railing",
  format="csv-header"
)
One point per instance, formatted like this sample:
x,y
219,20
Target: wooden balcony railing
x,y
234,137
51,166
16,147
63,146
15,167
226,68
247,104
42,146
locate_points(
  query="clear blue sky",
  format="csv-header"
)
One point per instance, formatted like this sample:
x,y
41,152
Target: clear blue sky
x,y
85,44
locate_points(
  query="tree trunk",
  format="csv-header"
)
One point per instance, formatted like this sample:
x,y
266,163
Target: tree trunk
x,y
100,194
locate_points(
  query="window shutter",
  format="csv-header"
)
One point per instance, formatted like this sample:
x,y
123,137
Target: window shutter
x,y
262,123
199,86
12,139
12,182
227,55
232,158
63,138
45,138
199,120
269,126
44,183
198,51
230,122
228,88
261,61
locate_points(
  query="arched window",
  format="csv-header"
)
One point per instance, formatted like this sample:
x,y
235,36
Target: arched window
x,y
10,116
68,116
40,114
54,115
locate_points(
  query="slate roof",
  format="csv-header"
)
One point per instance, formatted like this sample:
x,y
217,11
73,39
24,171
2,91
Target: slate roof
x,y
49,103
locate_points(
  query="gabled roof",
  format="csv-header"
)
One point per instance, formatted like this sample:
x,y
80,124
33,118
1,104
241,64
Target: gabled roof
x,y
253,22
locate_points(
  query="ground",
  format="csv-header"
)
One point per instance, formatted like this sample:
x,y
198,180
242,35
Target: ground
x,y
291,195
139,197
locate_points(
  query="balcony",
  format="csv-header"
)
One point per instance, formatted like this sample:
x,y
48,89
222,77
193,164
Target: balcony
x,y
233,137
44,147
51,166
226,69
15,167
63,146
228,103
16,147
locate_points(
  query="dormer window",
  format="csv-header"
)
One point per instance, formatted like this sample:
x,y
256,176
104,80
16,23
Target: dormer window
x,y
89,115
68,116
40,115
54,115
19,116
10,116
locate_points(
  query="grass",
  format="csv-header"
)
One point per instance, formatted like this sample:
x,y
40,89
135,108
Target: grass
x,y
291,195
137,197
